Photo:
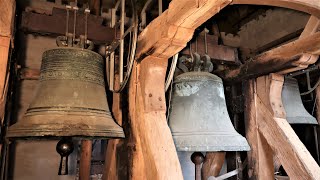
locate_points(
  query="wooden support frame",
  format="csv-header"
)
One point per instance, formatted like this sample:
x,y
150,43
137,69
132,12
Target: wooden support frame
x,y
272,125
154,155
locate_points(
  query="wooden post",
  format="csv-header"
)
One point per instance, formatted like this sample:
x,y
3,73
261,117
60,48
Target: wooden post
x,y
85,160
6,32
155,155
111,163
273,126
260,157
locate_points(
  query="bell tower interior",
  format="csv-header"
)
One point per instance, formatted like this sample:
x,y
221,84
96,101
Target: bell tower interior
x,y
159,89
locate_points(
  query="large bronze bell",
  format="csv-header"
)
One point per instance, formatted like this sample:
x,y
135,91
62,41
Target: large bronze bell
x,y
292,103
198,117
71,99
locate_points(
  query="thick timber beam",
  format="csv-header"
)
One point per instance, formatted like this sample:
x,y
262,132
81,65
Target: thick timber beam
x,y
260,157
6,34
277,59
169,33
306,59
154,155
273,126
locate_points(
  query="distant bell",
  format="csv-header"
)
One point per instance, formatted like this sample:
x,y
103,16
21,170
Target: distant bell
x,y
71,99
199,119
292,102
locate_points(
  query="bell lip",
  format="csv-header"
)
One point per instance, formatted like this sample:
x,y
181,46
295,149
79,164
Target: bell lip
x,y
102,126
28,133
73,48
197,76
241,145
297,120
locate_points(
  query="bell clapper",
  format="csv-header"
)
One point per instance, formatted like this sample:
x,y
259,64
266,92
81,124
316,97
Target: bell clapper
x,y
197,158
64,148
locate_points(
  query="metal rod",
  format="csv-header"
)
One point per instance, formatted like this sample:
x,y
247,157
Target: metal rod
x,y
85,160
197,158
111,84
86,11
121,41
67,19
309,84
74,22
160,7
316,143
205,41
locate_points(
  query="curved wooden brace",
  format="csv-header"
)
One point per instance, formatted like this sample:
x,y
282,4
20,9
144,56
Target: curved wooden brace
x,y
307,6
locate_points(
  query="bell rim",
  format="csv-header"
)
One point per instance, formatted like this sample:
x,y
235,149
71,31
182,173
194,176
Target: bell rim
x,y
209,144
26,132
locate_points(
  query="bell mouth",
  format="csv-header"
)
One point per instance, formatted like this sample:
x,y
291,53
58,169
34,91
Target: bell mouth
x,y
82,126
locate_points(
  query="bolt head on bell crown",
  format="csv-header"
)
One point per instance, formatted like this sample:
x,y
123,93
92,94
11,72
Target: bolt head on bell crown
x,y
71,99
292,103
199,119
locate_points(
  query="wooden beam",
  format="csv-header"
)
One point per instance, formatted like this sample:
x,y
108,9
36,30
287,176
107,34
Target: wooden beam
x,y
29,74
275,60
218,53
306,59
307,6
260,157
7,17
55,24
169,33
85,160
273,126
156,154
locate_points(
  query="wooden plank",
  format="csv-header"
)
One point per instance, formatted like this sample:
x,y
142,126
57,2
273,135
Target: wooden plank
x,y
7,17
148,123
85,160
306,59
212,164
293,155
308,6
169,33
275,60
55,24
29,74
260,157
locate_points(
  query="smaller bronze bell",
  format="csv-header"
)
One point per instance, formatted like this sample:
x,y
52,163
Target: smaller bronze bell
x,y
292,102
199,119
